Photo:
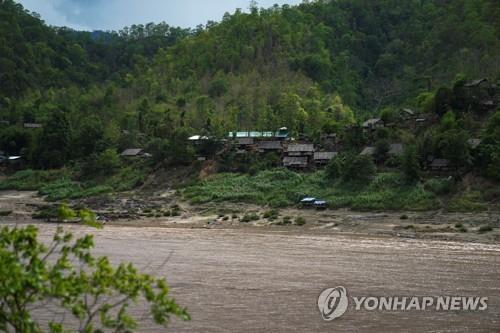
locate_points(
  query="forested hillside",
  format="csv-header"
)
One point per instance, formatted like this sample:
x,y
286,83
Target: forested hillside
x,y
315,68
34,57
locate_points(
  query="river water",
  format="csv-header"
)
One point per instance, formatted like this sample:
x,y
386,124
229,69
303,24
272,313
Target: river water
x,y
259,280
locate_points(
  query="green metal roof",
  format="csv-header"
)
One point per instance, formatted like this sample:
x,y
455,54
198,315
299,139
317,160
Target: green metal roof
x,y
257,134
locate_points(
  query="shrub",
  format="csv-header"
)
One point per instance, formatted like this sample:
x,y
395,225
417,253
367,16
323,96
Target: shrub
x,y
249,217
299,220
271,214
127,178
333,168
47,213
468,201
351,167
358,168
65,272
30,180
175,211
104,163
88,217
5,212
67,189
65,212
439,186
388,115
287,220
485,228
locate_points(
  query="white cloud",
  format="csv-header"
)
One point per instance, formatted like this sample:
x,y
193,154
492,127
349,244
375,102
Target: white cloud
x,y
49,13
115,14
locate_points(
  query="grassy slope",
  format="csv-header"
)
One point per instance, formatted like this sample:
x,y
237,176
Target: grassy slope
x,y
283,188
61,184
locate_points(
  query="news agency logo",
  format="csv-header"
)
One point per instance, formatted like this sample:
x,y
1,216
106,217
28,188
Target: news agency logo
x,y
334,302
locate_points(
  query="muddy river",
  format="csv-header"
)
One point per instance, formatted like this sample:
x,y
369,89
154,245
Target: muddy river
x,y
247,280
235,278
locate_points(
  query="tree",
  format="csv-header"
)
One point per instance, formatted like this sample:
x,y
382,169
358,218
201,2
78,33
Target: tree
x,y
334,168
410,164
442,100
87,137
388,115
108,161
142,112
54,144
448,121
65,274
13,140
488,155
291,112
351,167
179,150
101,164
382,148
354,136
454,147
218,87
159,149
338,111
358,168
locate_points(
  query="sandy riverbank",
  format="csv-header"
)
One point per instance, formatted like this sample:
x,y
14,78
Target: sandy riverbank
x,y
148,211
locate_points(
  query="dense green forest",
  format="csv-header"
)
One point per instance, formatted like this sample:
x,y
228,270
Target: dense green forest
x,y
317,68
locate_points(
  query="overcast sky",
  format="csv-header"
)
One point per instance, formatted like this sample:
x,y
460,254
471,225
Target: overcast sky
x,y
116,14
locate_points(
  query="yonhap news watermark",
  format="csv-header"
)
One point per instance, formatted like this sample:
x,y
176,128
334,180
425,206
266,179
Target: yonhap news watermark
x,y
334,302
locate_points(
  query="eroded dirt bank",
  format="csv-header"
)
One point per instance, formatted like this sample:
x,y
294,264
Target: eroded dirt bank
x,y
165,210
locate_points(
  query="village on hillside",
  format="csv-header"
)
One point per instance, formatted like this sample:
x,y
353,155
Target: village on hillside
x,y
302,153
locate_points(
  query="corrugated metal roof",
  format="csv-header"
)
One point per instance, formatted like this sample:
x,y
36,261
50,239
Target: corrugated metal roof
x,y
294,160
324,155
474,143
244,141
131,152
197,137
270,145
301,147
371,122
368,151
32,125
258,134
396,149
475,83
440,162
